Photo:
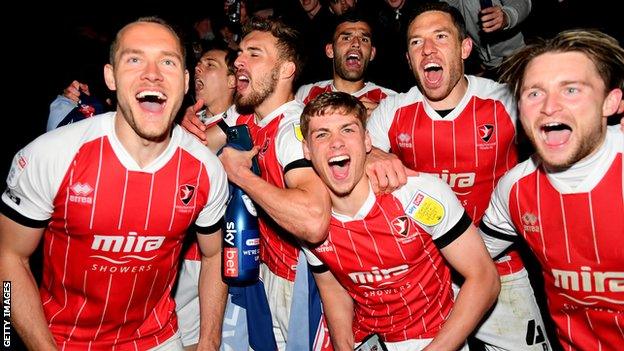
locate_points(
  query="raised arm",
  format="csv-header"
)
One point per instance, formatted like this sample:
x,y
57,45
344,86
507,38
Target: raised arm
x,y
17,243
212,291
303,208
468,256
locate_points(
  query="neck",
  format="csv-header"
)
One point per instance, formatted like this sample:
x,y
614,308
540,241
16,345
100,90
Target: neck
x,y
347,86
142,150
219,106
453,99
350,204
280,96
314,11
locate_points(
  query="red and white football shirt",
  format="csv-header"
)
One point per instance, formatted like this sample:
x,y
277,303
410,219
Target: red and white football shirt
x,y
387,258
279,138
114,230
470,148
370,90
573,221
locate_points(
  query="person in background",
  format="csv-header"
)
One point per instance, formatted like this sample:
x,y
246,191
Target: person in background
x,y
351,51
495,29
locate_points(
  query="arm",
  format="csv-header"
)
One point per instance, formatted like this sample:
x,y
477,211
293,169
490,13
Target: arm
x,y
212,292
338,310
17,243
385,171
468,256
303,208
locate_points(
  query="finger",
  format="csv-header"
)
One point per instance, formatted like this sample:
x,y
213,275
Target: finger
x,y
374,184
84,88
410,172
198,105
254,151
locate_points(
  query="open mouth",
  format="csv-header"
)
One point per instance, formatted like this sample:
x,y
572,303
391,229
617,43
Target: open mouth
x,y
152,100
353,60
339,166
199,84
555,133
242,81
433,73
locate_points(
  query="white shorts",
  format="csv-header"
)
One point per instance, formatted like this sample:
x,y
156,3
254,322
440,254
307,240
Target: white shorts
x,y
187,302
279,295
171,344
515,323
412,345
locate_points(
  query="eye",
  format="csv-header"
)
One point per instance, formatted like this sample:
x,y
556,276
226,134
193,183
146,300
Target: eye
x,y
415,42
345,38
442,36
366,40
348,130
320,135
168,62
133,59
571,90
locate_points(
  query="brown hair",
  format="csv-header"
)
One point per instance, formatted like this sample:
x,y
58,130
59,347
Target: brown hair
x,y
289,42
603,50
331,102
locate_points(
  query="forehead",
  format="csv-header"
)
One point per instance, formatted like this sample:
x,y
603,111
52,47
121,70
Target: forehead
x,y
556,67
431,21
217,55
149,34
333,117
261,40
352,27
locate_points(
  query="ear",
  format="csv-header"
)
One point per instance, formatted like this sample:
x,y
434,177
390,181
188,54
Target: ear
x,y
373,53
466,48
612,103
367,142
186,80
288,69
329,50
306,150
409,62
109,77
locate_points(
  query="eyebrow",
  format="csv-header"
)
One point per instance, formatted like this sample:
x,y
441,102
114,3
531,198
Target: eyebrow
x,y
167,53
351,32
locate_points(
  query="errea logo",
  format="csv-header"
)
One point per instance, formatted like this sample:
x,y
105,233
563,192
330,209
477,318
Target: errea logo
x,y
530,223
80,193
404,140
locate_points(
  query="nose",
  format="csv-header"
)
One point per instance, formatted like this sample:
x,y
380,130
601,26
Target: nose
x,y
355,42
428,47
198,68
152,72
551,104
239,62
336,142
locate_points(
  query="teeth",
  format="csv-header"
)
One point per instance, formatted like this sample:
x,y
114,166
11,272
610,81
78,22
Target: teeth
x,y
432,65
353,56
151,93
339,158
552,124
244,78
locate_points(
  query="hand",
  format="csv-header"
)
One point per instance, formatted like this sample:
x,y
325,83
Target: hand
x,y
386,172
493,19
369,104
237,163
192,123
72,92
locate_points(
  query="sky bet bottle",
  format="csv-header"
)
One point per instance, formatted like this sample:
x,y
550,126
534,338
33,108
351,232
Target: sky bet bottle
x,y
241,237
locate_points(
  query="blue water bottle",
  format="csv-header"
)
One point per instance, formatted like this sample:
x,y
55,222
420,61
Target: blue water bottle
x,y
241,236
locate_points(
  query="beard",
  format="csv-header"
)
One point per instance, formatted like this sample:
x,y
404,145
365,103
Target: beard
x,y
268,83
156,135
588,144
351,76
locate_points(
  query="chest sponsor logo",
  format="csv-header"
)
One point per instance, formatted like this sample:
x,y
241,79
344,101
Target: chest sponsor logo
x,y
404,140
378,276
80,193
186,192
461,183
530,223
594,283
425,209
486,131
132,244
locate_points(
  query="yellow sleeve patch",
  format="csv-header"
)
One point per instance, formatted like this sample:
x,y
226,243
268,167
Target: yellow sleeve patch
x,y
425,209
298,134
